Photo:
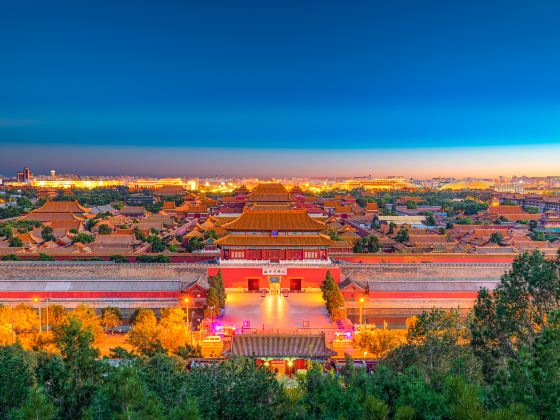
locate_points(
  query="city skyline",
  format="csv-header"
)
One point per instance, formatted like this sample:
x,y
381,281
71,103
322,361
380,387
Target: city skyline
x,y
203,89
531,161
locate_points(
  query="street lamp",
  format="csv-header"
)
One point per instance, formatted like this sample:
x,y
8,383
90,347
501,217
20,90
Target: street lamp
x,y
290,366
38,301
186,300
361,309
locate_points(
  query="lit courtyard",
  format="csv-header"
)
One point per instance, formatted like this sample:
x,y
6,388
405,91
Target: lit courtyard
x,y
276,313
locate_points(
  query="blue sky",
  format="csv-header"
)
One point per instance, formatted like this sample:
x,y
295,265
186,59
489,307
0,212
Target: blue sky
x,y
151,87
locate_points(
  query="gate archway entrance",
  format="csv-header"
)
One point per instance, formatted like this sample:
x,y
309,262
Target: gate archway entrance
x,y
274,285
253,284
295,285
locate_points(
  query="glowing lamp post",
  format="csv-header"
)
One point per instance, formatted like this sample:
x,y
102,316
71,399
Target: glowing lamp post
x,y
361,309
38,301
186,300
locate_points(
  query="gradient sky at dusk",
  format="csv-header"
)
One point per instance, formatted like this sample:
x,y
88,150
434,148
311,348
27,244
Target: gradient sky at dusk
x,y
272,88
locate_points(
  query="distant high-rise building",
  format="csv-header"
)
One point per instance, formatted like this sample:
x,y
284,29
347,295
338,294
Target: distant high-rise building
x,y
53,173
24,175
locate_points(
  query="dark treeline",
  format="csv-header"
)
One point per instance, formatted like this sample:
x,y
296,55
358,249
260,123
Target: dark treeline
x,y
501,362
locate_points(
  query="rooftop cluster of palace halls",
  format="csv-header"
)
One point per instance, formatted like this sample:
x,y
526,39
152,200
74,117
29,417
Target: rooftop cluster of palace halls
x,y
270,223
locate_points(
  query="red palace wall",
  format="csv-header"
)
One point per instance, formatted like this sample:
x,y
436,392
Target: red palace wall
x,y
423,258
310,276
89,295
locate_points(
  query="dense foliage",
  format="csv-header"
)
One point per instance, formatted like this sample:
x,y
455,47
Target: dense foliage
x,y
95,196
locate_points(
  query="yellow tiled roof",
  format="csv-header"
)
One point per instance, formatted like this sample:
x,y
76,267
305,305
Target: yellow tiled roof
x,y
269,220
283,240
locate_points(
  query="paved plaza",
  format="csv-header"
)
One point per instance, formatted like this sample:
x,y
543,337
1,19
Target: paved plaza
x,y
276,312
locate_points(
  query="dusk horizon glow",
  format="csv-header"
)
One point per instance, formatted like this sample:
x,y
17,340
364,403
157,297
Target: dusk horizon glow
x,y
483,162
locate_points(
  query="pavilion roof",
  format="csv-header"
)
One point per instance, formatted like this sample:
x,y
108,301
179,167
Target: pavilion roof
x,y
270,197
269,220
132,210
343,243
506,209
170,190
271,187
61,207
272,207
284,240
280,345
64,218
193,209
343,209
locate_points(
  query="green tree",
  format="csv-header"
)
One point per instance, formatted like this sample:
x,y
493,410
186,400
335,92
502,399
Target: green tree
x,y
124,395
405,412
118,258
237,389
165,377
25,318
410,204
139,235
84,238
402,235
15,242
430,220
212,307
368,244
37,406
533,379
463,399
24,202
47,234
211,234
157,244
153,259
57,315
88,318
334,300
45,257
189,352
6,231
328,396
194,244
512,315
437,345
16,378
110,318
218,282
80,371
104,229
533,224
496,238
144,334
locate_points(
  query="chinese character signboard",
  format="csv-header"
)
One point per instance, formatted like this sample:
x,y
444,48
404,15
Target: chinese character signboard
x,y
275,271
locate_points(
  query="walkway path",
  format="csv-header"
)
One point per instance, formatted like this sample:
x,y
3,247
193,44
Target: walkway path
x,y
275,312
